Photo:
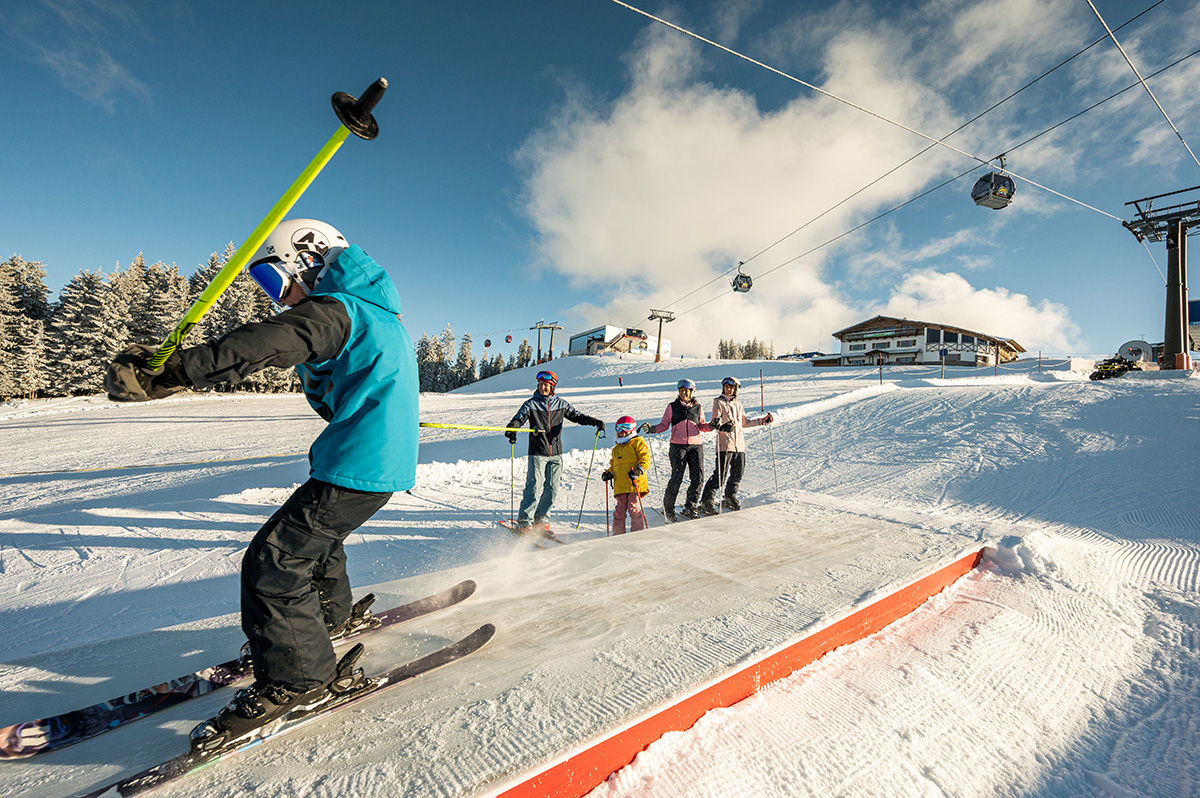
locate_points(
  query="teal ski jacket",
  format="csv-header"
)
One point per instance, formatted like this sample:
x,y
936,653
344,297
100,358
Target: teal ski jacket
x,y
356,363
368,392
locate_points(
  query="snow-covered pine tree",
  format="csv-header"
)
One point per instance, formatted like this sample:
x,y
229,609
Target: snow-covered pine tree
x,y
446,369
115,308
424,352
76,336
463,372
524,354
8,320
166,299
132,288
25,354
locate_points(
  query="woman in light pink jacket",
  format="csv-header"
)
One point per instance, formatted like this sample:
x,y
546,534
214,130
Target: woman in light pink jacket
x,y
729,419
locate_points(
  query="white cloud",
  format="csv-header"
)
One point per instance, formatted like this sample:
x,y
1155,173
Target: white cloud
x,y
75,39
949,298
653,195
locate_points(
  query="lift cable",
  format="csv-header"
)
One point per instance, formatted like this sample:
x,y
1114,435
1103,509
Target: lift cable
x,y
881,117
1143,82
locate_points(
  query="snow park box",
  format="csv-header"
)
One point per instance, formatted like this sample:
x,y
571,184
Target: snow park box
x,y
604,646
601,647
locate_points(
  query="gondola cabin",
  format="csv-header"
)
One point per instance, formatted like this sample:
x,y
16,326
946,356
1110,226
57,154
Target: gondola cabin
x,y
508,339
742,283
487,342
994,190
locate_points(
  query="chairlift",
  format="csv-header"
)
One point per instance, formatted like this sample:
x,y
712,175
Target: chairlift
x,y
994,190
741,282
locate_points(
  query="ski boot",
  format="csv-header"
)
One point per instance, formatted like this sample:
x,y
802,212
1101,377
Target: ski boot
x,y
689,511
669,514
731,503
708,508
256,709
361,620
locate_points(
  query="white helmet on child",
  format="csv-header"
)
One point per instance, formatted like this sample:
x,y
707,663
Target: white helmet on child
x,y
299,249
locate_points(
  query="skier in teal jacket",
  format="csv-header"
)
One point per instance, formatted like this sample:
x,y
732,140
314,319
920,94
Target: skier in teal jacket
x,y
342,333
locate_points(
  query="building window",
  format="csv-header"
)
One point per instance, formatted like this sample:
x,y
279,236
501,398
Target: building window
x,y
950,338
906,343
908,359
933,336
968,339
883,345
857,347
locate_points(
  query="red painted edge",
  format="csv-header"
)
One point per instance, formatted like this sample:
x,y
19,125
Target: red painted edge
x,y
582,772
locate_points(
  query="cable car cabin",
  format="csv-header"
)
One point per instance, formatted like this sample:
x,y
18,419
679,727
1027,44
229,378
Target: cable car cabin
x,y
487,342
508,339
741,283
994,190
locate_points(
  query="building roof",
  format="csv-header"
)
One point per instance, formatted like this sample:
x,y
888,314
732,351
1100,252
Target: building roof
x,y
878,322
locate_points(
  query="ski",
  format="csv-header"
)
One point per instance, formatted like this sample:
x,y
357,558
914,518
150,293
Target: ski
x,y
542,538
58,731
184,764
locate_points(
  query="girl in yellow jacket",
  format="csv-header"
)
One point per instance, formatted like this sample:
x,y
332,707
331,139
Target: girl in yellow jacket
x,y
627,471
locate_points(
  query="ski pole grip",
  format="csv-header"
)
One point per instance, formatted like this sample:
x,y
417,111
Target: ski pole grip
x,y
355,114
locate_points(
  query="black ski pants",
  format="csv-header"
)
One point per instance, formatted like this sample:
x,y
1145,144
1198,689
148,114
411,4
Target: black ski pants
x,y
294,583
691,457
730,466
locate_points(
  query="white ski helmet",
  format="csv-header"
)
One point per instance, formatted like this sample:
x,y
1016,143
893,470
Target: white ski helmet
x,y
296,249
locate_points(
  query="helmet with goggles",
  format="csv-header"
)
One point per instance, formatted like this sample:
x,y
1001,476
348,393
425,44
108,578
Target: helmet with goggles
x,y
691,386
297,250
547,376
734,381
625,425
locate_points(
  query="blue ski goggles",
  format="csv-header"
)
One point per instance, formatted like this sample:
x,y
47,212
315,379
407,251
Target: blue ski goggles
x,y
272,277
624,429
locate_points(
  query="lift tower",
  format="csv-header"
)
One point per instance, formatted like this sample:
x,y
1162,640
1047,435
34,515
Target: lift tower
x,y
661,315
1170,224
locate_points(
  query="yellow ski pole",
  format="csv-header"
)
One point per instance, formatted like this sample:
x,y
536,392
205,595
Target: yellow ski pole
x,y
355,116
471,426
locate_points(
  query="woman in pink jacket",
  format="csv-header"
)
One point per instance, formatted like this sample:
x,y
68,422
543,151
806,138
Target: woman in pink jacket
x,y
729,418
685,418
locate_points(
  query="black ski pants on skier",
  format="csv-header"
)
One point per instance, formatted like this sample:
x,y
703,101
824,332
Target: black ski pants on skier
x,y
730,466
294,583
690,456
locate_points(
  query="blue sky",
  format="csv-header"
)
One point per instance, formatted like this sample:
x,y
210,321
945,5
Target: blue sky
x,y
576,162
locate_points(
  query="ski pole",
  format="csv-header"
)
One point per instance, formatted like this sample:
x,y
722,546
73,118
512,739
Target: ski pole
x,y
587,480
355,117
606,527
512,482
762,406
771,435
472,426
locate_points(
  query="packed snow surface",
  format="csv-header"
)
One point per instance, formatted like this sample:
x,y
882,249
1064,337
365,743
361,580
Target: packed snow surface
x,y
1067,665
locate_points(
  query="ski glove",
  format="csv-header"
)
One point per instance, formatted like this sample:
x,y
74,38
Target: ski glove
x,y
607,475
644,428
512,436
128,379
726,427
636,472
599,425
768,419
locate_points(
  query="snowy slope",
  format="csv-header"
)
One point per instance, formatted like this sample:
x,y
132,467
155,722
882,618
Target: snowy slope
x,y
1068,668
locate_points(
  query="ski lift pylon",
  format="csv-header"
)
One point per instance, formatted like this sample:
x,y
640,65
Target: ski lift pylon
x,y
741,282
